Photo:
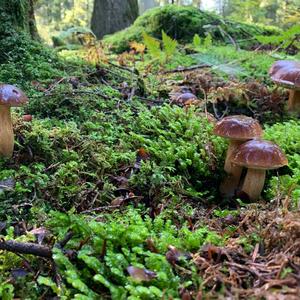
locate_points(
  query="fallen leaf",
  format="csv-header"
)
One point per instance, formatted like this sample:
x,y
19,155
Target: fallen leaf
x,y
7,185
18,272
40,233
174,255
139,274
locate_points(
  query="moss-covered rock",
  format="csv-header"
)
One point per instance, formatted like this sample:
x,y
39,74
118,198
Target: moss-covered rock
x,y
182,23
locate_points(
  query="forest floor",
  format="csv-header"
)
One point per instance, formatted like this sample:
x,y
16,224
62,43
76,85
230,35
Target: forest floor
x,y
115,180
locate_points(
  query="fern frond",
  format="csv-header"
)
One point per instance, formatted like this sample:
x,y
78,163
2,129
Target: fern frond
x,y
197,41
169,44
285,38
208,41
152,45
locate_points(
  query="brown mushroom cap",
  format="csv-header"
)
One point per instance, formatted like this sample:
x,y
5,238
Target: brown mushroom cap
x,y
12,96
259,154
186,97
286,73
238,127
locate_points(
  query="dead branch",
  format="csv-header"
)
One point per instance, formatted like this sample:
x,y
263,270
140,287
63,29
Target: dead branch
x,y
32,248
65,240
26,248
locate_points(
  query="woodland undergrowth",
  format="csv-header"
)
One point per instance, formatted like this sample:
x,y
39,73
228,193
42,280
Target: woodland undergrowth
x,y
120,182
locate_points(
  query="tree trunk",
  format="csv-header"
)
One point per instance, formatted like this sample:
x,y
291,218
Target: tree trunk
x,y
110,16
17,15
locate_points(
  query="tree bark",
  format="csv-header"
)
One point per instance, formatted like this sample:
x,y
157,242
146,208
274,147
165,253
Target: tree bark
x,y
110,16
18,15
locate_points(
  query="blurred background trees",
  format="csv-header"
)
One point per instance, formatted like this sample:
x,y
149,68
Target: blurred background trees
x,y
110,16
56,15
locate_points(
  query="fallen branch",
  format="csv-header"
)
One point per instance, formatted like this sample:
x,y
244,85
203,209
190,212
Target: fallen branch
x,y
65,240
32,248
26,248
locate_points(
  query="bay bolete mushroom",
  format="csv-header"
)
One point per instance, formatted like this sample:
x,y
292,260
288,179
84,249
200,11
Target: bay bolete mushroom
x,y
10,96
258,156
184,99
237,129
286,73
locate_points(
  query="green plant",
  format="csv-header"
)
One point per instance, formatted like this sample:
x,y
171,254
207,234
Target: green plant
x,y
178,142
204,45
6,291
182,23
243,64
162,54
123,240
286,39
287,136
225,212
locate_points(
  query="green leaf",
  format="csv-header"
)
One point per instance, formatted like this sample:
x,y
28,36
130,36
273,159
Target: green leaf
x,y
152,45
48,282
169,44
208,41
7,291
197,41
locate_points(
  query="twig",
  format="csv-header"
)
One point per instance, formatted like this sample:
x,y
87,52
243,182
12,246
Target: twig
x,y
216,112
52,166
184,69
244,268
234,43
52,86
122,68
131,94
32,248
26,248
100,208
65,240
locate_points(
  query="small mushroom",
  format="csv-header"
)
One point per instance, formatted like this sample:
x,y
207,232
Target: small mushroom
x,y
139,274
9,96
258,156
27,118
183,98
286,73
238,129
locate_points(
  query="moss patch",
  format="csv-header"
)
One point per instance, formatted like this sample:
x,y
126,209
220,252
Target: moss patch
x,y
182,23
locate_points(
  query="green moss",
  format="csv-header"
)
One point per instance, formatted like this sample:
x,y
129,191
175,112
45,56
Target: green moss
x,y
182,23
18,19
23,59
287,136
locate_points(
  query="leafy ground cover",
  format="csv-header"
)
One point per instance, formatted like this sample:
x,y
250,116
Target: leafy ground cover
x,y
115,183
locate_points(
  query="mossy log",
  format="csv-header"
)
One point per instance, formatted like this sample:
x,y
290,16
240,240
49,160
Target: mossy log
x,y
182,23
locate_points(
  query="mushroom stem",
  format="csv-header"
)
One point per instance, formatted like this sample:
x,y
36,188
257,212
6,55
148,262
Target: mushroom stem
x,y
233,145
254,183
6,132
231,181
294,100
